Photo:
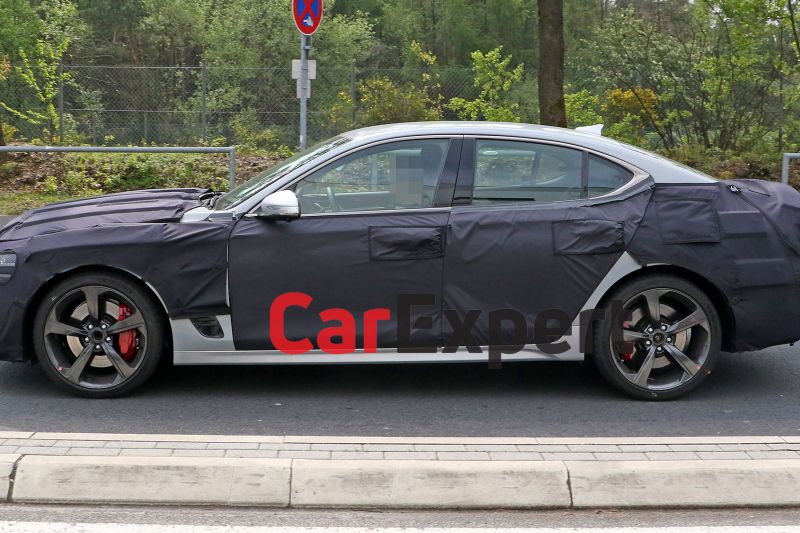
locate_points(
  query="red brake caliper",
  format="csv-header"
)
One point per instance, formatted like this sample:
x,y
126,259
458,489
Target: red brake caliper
x,y
629,347
127,339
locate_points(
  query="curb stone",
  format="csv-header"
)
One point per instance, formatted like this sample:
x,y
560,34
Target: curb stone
x,y
151,480
7,463
386,484
680,484
430,484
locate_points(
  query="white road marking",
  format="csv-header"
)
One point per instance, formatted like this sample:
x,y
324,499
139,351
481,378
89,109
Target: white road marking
x,y
63,527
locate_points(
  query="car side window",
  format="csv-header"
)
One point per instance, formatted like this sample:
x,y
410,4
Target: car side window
x,y
516,171
397,175
605,176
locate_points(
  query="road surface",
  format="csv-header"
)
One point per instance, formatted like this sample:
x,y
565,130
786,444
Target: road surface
x,y
750,394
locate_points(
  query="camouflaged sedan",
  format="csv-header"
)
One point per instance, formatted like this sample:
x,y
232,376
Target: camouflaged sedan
x,y
412,243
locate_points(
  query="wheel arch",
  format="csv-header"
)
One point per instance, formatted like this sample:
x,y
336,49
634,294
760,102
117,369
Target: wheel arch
x,y
36,300
717,297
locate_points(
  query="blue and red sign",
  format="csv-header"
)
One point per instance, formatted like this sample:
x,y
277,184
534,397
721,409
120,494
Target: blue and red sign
x,y
307,15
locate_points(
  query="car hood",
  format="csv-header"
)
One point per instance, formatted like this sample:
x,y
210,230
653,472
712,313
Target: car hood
x,y
136,207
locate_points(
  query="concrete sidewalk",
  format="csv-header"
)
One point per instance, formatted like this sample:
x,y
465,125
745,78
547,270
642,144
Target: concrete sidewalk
x,y
429,472
400,448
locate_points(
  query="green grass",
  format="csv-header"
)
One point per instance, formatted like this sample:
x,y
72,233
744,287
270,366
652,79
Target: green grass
x,y
14,203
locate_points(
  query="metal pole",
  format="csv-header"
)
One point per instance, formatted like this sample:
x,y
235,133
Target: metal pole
x,y
203,90
785,169
353,94
232,166
305,45
144,114
61,102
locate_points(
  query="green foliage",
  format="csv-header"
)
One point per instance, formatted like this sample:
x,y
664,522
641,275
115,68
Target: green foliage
x,y
39,68
9,132
19,27
382,101
713,79
8,170
15,202
251,140
712,68
629,113
495,80
583,108
93,174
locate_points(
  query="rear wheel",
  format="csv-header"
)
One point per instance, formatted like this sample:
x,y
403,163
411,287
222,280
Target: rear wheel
x,y
98,335
663,344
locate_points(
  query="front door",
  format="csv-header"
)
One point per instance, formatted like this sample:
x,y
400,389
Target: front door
x,y
371,236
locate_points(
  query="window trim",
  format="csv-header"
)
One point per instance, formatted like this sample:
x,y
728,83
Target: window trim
x,y
450,170
466,174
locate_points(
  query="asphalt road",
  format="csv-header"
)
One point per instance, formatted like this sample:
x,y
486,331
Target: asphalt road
x,y
750,394
745,519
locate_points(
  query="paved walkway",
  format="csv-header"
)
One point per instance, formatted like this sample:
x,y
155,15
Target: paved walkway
x,y
419,448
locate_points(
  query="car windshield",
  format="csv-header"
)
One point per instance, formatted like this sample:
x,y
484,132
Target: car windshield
x,y
247,189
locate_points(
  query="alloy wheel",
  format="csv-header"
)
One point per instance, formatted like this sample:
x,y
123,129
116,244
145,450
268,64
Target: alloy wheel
x,y
665,340
95,337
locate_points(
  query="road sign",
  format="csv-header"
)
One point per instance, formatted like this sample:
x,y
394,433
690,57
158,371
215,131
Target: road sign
x,y
297,69
307,15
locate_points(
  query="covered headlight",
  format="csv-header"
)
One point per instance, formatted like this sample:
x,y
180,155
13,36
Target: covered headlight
x,y
8,264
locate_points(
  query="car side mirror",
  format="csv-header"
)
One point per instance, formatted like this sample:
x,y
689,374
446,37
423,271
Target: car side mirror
x,y
281,205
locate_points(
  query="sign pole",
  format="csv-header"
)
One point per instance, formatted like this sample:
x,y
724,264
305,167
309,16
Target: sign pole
x,y
305,46
307,16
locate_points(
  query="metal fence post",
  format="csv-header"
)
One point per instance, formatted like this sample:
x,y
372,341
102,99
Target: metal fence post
x,y
60,102
785,170
204,92
353,94
232,166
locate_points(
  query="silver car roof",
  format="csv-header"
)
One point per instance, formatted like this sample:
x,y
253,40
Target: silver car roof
x,y
662,170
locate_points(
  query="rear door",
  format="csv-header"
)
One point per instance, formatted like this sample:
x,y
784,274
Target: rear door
x,y
534,228
372,231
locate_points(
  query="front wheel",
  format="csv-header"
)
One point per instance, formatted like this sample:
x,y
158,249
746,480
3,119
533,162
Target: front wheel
x,y
664,340
98,335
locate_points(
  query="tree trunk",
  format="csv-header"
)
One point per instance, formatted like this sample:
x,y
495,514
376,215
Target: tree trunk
x,y
793,22
552,110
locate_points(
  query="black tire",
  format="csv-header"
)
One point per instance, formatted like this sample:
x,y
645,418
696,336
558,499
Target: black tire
x,y
54,350
703,346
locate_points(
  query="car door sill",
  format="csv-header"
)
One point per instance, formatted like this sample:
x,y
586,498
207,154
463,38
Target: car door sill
x,y
384,355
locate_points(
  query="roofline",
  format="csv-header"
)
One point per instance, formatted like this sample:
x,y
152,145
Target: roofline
x,y
662,169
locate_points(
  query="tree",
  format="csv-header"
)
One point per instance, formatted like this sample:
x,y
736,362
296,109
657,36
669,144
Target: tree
x,y
793,25
19,26
552,109
40,67
494,79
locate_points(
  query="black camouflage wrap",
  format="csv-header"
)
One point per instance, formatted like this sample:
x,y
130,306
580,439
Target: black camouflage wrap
x,y
741,237
138,233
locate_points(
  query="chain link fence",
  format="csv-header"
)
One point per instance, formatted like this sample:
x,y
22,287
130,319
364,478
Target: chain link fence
x,y
188,105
